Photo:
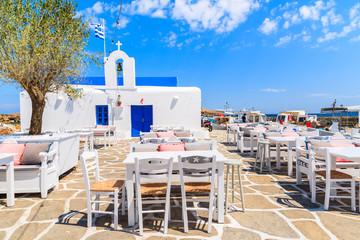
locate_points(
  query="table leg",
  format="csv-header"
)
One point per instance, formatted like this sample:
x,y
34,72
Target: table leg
x,y
221,193
130,195
92,143
10,191
109,139
290,160
86,147
105,140
251,144
278,155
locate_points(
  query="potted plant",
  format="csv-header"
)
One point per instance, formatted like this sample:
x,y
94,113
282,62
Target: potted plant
x,y
118,101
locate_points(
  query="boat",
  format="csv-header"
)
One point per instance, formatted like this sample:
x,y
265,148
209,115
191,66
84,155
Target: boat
x,y
295,116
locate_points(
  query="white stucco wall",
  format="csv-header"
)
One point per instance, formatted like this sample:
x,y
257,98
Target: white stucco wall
x,y
171,106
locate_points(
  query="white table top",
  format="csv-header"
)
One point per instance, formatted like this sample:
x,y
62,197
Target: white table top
x,y
285,139
348,153
100,130
130,159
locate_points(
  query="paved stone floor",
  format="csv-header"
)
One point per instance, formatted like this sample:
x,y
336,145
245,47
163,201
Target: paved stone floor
x,y
276,208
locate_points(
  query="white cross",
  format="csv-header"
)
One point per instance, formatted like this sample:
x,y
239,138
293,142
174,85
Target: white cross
x,y
118,44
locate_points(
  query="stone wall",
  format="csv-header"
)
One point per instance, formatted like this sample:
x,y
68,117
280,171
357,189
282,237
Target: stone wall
x,y
346,121
10,118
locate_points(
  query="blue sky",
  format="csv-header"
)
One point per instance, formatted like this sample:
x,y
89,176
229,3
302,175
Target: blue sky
x,y
267,54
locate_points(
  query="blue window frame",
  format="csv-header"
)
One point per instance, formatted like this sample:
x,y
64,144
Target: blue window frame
x,y
102,115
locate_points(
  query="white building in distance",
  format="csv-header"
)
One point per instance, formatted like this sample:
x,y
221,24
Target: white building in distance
x,y
144,102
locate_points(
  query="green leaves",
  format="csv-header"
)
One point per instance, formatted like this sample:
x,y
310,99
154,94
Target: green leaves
x,y
41,43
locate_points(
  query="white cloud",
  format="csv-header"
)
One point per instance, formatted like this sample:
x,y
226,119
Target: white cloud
x,y
355,39
283,40
313,12
218,15
268,26
318,95
171,39
306,38
122,23
273,90
153,8
96,9
331,18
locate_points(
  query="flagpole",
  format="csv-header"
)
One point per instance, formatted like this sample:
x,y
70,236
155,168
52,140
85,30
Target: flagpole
x,y
104,40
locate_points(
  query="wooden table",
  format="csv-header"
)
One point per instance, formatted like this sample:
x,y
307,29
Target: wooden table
x,y
130,169
8,160
290,142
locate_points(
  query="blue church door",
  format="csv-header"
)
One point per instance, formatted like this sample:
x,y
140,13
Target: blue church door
x,y
141,119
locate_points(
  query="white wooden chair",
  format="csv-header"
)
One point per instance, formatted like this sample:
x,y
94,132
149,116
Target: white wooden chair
x,y
157,172
113,134
89,163
195,167
231,132
304,165
244,143
332,180
35,178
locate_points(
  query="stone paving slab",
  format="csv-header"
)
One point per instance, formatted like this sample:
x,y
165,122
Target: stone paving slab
x,y
276,208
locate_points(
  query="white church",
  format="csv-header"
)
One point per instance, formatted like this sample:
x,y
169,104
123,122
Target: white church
x,y
144,102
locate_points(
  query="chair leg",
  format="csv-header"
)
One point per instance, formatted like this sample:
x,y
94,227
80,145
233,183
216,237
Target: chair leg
x,y
89,212
227,190
211,208
123,201
268,155
298,175
140,214
313,187
232,184
353,197
241,190
327,194
184,209
167,213
262,157
116,209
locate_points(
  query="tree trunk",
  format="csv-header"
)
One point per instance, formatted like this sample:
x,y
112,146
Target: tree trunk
x,y
38,106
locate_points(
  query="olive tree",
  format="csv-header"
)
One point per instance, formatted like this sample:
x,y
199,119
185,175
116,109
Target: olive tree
x,y
42,47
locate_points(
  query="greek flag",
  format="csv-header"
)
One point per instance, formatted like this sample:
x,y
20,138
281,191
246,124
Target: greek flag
x,y
99,31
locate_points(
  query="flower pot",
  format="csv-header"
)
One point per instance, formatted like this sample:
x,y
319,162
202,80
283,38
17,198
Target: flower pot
x,y
119,104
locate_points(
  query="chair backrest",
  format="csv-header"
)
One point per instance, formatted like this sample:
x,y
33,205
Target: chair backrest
x,y
90,165
153,169
197,166
112,128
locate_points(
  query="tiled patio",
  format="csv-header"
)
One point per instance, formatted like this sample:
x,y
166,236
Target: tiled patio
x,y
276,208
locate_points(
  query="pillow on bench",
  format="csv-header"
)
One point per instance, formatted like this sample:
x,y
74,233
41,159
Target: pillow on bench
x,y
149,135
13,148
31,153
182,134
172,147
164,134
145,148
198,147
